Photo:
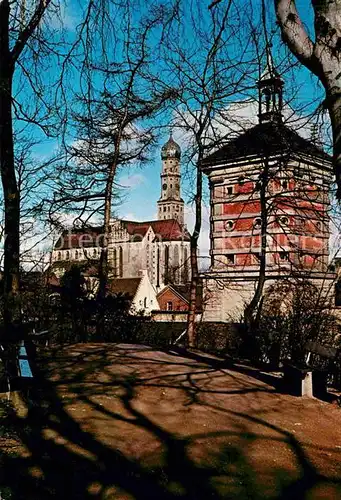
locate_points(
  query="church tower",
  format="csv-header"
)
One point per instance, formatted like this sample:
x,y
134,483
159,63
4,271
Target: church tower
x,y
170,204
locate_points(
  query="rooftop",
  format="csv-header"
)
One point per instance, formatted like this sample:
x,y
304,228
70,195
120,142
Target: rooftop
x,y
265,139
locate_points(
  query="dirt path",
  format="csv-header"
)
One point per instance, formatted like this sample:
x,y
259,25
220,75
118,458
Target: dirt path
x,y
127,422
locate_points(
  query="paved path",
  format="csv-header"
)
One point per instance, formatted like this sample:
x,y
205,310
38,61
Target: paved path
x,y
127,422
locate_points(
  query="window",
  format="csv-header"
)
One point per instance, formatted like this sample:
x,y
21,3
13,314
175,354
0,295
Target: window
x,y
170,306
284,184
318,226
229,190
145,302
229,225
284,221
85,253
59,256
76,255
257,223
164,209
338,294
67,255
284,255
94,252
120,260
164,187
300,223
241,180
230,258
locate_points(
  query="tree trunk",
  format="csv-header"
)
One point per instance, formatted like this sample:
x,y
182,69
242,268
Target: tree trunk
x,y
252,306
8,177
191,327
334,108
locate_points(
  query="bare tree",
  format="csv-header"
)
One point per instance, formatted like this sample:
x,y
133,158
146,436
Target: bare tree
x,y
321,55
114,125
18,25
207,76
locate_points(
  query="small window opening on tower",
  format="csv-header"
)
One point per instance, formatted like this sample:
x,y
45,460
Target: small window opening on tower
x,y
230,258
284,221
229,225
257,223
284,256
257,255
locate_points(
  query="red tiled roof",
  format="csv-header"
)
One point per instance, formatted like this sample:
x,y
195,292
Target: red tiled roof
x,y
126,286
75,238
166,230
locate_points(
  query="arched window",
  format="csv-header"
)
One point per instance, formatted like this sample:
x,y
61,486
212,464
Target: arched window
x,y
120,262
185,266
176,264
166,265
94,252
76,254
145,302
115,262
59,256
158,267
67,255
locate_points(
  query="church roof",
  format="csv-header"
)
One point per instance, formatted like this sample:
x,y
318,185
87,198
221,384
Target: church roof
x,y
79,237
125,286
267,138
167,230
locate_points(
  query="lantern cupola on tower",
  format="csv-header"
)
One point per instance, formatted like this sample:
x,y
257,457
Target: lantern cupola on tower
x,y
170,150
270,88
170,204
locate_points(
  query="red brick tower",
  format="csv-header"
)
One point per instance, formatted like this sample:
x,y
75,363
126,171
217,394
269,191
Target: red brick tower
x,y
269,198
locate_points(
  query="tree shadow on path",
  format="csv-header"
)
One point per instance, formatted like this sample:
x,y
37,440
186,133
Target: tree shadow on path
x,y
79,429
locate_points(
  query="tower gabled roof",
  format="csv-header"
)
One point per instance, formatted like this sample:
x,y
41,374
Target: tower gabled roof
x,y
267,138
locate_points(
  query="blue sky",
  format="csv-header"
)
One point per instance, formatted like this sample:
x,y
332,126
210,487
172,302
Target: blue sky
x,y
141,186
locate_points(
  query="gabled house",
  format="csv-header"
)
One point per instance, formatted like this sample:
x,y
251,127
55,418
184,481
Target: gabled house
x,y
139,291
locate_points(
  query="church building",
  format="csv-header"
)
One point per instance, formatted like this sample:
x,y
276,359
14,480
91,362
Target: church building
x,y
269,202
160,247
